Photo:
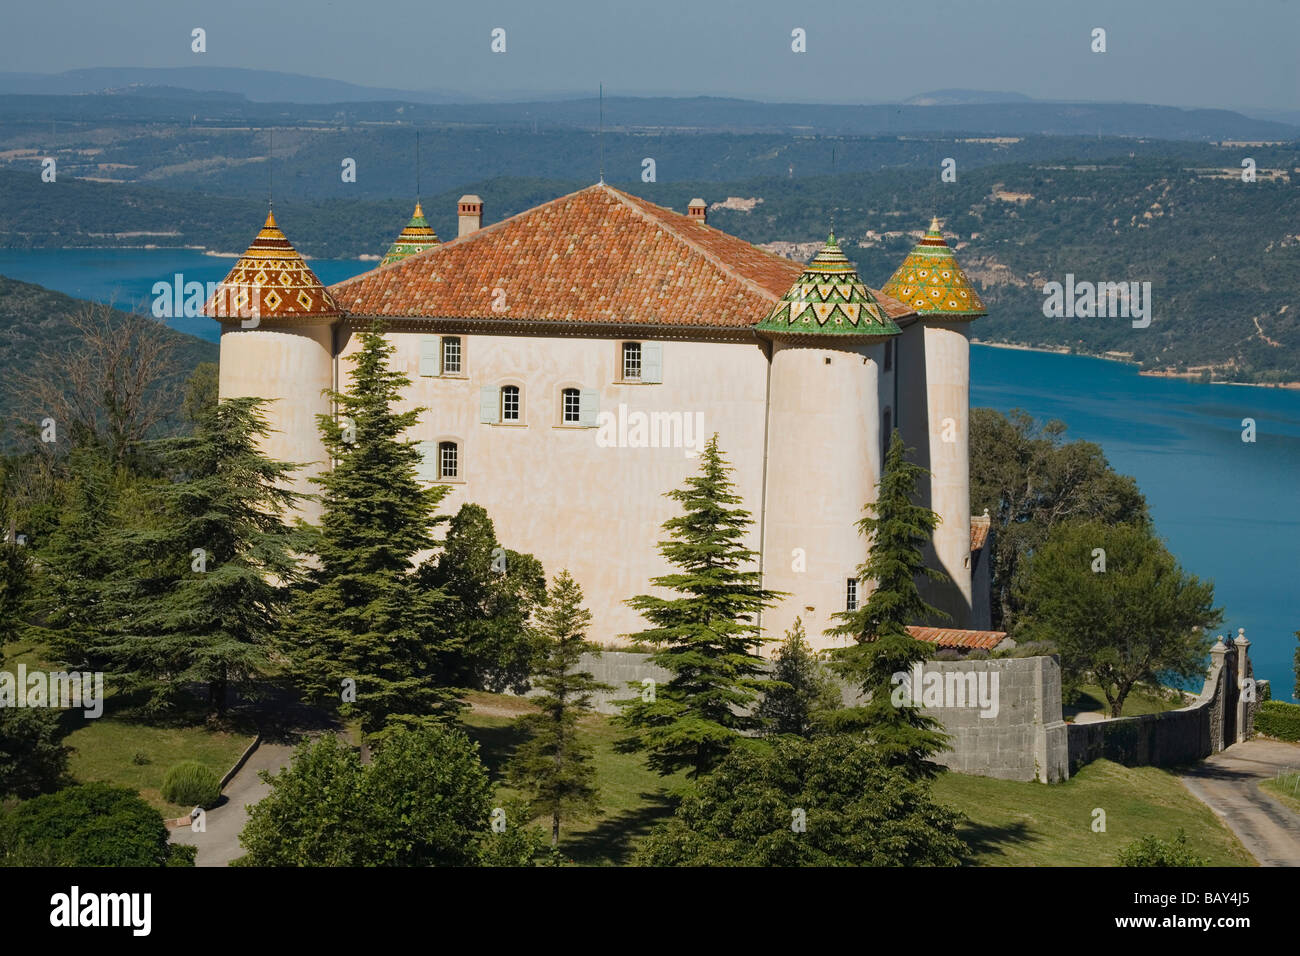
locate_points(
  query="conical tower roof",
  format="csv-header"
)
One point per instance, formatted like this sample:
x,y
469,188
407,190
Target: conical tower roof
x,y
829,299
416,237
931,282
272,274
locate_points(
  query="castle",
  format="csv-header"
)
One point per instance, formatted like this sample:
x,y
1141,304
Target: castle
x,y
574,358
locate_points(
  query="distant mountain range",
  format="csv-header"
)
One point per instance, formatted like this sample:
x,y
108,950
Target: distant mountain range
x,y
260,96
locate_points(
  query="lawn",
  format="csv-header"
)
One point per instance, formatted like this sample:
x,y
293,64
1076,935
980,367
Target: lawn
x,y
634,797
1285,789
1141,700
126,751
1033,824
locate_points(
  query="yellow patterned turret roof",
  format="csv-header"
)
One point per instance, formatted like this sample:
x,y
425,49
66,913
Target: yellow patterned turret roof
x,y
829,299
271,280
931,282
416,237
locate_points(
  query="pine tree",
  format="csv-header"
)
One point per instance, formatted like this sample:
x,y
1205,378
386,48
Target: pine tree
x,y
210,581
708,637
897,530
553,766
363,615
801,692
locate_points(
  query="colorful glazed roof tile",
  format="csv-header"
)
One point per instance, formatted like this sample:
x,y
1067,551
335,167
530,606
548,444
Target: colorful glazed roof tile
x,y
598,256
416,237
829,298
930,281
273,276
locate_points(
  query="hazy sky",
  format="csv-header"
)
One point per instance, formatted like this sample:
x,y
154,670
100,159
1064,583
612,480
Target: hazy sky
x,y
1228,53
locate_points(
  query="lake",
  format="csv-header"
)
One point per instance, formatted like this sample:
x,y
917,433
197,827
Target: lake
x,y
1229,510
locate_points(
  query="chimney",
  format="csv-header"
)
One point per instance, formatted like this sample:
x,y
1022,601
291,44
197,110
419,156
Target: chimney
x,y
698,211
470,210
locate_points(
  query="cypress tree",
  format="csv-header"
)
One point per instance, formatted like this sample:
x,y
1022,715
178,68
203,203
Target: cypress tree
x,y
553,766
707,637
363,615
896,529
210,581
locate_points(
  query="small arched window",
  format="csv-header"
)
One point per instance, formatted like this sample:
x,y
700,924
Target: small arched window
x,y
510,403
571,406
448,460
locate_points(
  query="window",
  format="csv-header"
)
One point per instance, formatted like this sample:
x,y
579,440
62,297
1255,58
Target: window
x,y
889,355
887,433
571,400
632,361
509,403
451,355
851,595
448,460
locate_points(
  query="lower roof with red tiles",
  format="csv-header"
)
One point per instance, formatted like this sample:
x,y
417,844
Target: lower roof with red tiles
x,y
598,256
956,637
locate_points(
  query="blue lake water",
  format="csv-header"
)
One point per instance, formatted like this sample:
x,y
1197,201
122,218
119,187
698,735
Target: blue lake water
x,y
1229,510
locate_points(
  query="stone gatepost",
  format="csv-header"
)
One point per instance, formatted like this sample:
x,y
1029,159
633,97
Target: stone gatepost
x,y
1243,673
1217,654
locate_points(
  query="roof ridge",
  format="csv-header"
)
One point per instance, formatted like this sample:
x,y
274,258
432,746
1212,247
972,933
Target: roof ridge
x,y
633,202
460,240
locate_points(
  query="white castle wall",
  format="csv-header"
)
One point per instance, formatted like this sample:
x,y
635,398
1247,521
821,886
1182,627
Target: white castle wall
x,y
550,489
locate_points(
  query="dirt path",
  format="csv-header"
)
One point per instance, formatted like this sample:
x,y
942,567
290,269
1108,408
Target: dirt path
x,y
1228,783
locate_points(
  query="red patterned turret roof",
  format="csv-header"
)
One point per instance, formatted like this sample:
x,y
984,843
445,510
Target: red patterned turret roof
x,y
272,274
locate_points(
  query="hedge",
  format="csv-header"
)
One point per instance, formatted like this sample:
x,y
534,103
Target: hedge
x,y
1279,719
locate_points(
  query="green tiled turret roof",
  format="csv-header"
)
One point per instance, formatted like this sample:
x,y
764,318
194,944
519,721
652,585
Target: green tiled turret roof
x,y
931,282
829,299
416,237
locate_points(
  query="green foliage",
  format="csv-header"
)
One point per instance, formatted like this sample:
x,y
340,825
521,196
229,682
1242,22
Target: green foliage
x,y
210,616
190,783
1140,619
424,800
521,843
364,614
552,765
1279,719
897,529
32,761
201,390
1297,665
88,825
707,637
856,811
1030,479
801,691
488,612
1153,851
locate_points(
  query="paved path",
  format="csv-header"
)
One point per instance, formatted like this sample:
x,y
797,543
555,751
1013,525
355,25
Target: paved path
x,y
220,843
1228,783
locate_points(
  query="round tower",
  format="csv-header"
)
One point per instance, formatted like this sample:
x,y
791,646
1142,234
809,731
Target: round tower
x,y
828,401
277,343
935,397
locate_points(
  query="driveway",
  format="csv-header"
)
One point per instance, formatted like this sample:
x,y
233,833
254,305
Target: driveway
x,y
1228,783
220,843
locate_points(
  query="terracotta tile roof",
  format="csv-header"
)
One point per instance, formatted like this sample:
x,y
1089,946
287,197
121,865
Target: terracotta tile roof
x,y
955,637
598,255
979,530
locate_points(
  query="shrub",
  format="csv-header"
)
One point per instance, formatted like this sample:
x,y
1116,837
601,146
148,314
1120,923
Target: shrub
x,y
190,783
1278,719
32,761
89,825
1153,851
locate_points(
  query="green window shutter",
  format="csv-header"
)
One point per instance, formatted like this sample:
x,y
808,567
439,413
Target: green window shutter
x,y
652,362
427,469
430,356
588,407
488,404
